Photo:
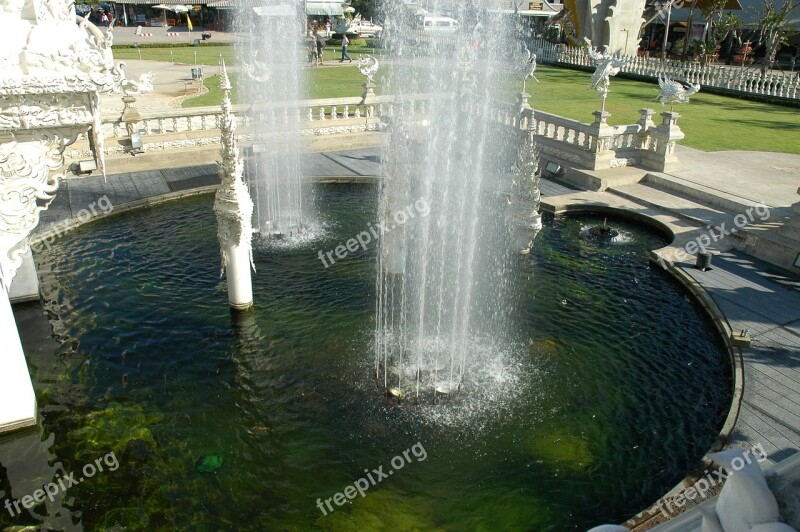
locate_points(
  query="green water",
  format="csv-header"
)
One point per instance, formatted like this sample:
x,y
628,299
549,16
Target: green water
x,y
614,387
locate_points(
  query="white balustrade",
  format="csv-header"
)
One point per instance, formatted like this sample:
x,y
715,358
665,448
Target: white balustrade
x,y
734,78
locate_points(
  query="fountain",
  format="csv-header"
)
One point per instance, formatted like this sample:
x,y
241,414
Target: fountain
x,y
466,308
268,83
435,296
602,232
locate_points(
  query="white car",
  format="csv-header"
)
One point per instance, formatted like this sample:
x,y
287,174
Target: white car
x,y
367,28
438,25
356,26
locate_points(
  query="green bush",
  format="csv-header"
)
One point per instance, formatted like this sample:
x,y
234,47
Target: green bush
x,y
203,44
353,42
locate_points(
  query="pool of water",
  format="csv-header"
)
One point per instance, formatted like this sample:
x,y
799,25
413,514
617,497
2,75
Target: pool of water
x,y
614,385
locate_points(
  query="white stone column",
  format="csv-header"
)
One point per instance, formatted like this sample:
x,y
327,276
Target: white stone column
x,y
25,284
234,209
17,400
240,284
666,135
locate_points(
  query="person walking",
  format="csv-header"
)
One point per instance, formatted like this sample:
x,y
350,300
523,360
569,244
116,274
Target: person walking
x,y
345,43
320,46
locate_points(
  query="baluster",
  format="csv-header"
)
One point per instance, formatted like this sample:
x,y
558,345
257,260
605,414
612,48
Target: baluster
x,y
358,111
334,114
322,113
346,111
310,114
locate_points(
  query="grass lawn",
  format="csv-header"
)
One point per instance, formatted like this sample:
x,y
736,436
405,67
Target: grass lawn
x,y
209,55
321,82
710,122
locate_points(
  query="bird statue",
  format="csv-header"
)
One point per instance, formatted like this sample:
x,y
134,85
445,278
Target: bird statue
x,y
368,66
525,64
673,92
256,70
132,87
606,65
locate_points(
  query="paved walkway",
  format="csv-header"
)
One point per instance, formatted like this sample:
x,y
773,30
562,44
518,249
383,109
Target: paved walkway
x,y
127,35
754,296
78,194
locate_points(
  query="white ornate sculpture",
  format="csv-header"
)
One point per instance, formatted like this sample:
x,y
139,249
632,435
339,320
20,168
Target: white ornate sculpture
x,y
234,209
135,88
673,92
610,22
256,70
526,222
606,65
53,65
48,96
525,65
368,66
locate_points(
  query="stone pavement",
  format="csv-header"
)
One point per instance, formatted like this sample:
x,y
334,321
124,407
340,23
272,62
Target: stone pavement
x,y
170,82
134,188
755,296
127,35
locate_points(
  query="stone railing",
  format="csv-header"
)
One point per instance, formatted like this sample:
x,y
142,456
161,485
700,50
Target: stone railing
x,y
731,78
592,146
598,145
185,128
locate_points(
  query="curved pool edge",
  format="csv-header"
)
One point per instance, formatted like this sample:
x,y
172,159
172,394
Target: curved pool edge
x,y
665,257
663,228
67,225
644,520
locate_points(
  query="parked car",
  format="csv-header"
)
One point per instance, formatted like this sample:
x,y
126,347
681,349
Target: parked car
x,y
367,28
438,25
356,27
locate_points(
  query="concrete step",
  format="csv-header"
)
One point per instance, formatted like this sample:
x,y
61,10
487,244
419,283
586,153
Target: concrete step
x,y
600,180
678,206
699,192
199,155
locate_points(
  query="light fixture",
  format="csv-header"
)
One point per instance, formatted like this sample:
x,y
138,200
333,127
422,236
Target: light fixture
x,y
136,143
553,168
86,167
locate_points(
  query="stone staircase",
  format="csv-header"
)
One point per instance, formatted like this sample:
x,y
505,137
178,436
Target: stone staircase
x,y
733,222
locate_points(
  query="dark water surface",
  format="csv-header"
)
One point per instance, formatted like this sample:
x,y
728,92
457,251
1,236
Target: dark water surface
x,y
615,385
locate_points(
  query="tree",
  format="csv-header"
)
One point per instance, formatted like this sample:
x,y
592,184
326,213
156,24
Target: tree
x,y
720,24
773,28
367,8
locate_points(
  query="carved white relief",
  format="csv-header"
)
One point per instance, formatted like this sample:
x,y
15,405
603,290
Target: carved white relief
x,y
27,185
52,66
232,203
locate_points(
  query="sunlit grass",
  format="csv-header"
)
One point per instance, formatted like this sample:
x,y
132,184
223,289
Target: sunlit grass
x,y
710,122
